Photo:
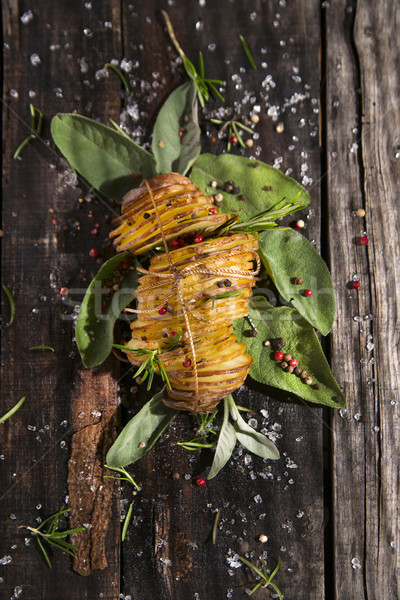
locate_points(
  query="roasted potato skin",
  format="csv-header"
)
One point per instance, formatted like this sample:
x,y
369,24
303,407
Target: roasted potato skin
x,y
185,290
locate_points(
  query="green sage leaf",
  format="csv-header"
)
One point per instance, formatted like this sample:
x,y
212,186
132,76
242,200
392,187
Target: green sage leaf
x,y
263,186
142,431
109,160
176,135
99,311
251,439
301,342
286,255
225,445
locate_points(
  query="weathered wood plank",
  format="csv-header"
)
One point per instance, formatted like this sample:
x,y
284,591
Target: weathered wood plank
x,y
168,553
363,172
43,251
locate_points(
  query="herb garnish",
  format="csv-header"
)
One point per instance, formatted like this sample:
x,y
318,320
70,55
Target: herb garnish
x,y
266,579
42,348
221,297
120,75
52,536
201,84
151,365
233,132
266,219
12,410
12,303
127,477
247,52
36,129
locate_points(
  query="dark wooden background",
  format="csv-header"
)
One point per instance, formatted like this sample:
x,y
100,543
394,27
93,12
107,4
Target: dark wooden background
x,y
330,506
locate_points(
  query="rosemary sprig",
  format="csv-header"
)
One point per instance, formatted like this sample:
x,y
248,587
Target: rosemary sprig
x,y
204,429
247,52
221,297
234,135
126,477
204,422
151,365
120,75
12,303
266,219
36,129
201,83
52,536
266,579
12,410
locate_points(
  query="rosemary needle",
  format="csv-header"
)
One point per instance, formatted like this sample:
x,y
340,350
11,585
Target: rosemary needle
x,y
12,303
12,410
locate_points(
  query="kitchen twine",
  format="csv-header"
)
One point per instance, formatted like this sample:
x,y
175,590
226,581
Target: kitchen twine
x,y
175,276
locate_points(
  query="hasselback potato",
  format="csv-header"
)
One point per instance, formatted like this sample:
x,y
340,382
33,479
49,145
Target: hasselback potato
x,y
196,287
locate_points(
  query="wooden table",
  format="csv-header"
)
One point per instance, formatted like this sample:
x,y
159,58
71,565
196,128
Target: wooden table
x,y
330,507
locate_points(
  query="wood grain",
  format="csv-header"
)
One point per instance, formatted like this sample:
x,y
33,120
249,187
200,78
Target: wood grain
x,y
43,251
58,436
286,504
362,141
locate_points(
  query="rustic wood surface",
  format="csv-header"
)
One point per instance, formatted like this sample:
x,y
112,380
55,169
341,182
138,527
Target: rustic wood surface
x,y
330,506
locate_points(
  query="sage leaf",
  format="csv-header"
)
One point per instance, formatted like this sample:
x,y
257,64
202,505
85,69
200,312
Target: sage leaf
x,y
140,434
263,186
176,134
301,342
95,327
225,445
254,441
109,160
286,255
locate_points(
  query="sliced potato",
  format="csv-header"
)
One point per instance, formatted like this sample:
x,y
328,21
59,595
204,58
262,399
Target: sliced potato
x,y
198,289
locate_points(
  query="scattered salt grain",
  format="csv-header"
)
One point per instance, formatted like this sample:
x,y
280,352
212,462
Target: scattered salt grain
x,y
35,60
26,17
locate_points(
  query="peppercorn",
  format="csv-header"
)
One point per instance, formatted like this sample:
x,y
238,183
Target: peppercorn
x,y
303,374
297,371
278,343
284,365
293,362
363,241
318,386
249,143
146,215
256,165
308,380
287,357
187,363
236,190
355,285
201,482
298,281
308,293
289,369
278,355
266,343
228,187
337,399
227,283
220,284
360,212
